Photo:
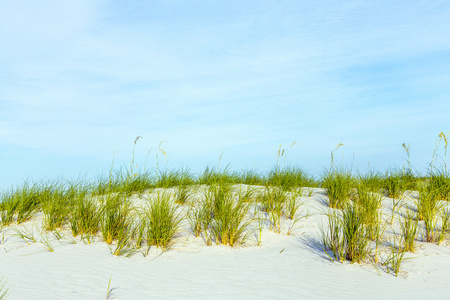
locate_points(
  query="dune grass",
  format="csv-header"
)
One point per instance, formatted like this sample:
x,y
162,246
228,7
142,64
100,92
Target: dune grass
x,y
409,231
219,210
161,221
228,224
338,184
346,235
116,220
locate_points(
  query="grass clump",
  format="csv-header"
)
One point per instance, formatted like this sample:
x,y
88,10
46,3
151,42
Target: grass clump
x,y
369,206
372,181
394,260
57,203
346,236
397,181
200,218
409,226
354,233
289,178
116,220
251,177
440,182
338,184
445,225
273,202
162,221
185,189
228,225
20,204
86,216
213,176
171,178
428,207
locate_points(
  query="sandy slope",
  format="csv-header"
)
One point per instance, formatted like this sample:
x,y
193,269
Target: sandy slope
x,y
283,267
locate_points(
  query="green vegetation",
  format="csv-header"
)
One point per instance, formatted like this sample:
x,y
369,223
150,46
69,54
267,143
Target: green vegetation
x,y
339,184
162,222
219,209
347,235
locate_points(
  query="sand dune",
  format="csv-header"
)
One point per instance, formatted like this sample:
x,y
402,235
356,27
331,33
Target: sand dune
x,y
282,267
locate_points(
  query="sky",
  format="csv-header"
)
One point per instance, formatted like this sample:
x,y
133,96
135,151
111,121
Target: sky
x,y
219,83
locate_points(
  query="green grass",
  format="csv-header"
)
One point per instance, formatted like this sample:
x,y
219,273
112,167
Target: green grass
x,y
394,259
371,181
251,177
85,216
228,225
409,231
200,218
440,182
162,221
346,235
369,205
273,201
289,178
103,209
338,183
354,234
116,212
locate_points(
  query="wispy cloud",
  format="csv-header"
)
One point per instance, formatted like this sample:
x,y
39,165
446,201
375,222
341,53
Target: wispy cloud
x,y
83,78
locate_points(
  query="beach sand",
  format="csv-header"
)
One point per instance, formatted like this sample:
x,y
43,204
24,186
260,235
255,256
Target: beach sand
x,y
282,267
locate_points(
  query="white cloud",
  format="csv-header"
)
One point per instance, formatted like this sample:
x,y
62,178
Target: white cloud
x,y
86,77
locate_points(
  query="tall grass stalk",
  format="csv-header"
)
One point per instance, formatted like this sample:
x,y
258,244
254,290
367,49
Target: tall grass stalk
x,y
109,290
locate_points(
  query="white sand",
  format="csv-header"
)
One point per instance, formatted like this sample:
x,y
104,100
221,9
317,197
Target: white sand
x,y
283,267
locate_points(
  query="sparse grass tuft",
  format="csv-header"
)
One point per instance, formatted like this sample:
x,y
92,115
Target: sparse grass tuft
x,y
394,260
409,226
273,202
3,292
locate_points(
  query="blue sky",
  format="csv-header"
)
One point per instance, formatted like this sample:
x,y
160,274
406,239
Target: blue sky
x,y
80,80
